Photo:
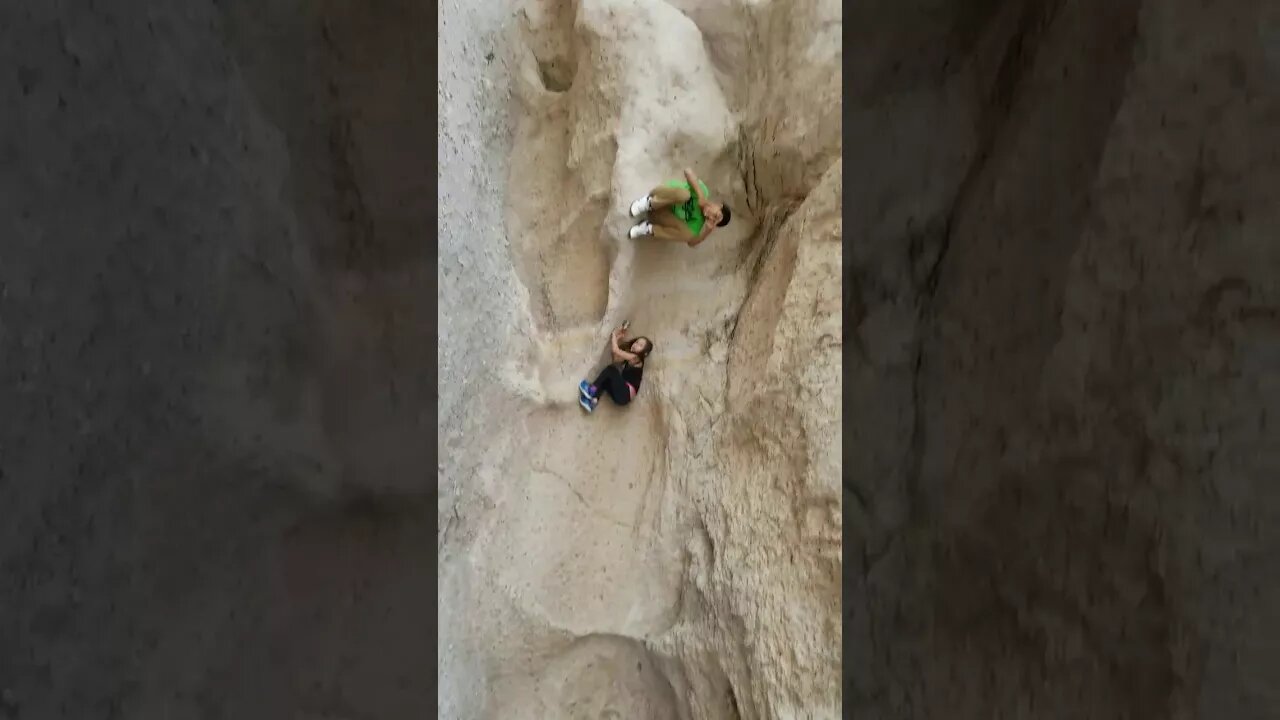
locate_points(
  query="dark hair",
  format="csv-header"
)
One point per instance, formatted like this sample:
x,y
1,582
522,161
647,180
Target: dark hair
x,y
648,347
724,210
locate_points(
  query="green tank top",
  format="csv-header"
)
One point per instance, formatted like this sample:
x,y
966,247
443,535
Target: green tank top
x,y
690,212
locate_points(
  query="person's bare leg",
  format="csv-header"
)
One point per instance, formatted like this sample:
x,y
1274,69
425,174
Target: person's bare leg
x,y
664,197
666,226
659,198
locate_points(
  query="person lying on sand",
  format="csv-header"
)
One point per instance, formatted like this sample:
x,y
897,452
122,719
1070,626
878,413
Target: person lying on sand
x,y
679,210
621,379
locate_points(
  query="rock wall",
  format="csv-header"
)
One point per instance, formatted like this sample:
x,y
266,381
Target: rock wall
x,y
697,531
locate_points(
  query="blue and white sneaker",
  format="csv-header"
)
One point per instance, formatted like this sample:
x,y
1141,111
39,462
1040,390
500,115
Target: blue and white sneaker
x,y
586,404
584,389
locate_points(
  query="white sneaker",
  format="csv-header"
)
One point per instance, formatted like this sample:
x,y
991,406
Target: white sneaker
x,y
640,206
643,229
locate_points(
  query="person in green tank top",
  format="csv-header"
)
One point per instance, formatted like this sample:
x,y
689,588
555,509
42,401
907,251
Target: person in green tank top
x,y
680,211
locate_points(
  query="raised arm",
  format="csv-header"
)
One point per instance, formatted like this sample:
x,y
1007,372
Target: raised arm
x,y
694,185
618,353
707,229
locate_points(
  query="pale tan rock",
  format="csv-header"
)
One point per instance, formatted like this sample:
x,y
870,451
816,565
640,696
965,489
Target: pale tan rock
x,y
698,530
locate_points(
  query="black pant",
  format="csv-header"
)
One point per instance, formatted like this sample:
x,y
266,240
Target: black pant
x,y
609,382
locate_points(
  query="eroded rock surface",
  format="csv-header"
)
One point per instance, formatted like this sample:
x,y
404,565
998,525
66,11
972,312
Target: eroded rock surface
x,y
697,530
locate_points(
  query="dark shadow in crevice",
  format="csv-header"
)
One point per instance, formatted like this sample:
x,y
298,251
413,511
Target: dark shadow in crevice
x,y
555,77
